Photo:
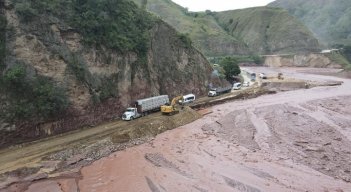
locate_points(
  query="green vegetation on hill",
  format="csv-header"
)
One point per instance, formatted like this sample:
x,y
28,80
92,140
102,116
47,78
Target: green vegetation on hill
x,y
343,57
201,27
31,97
119,25
3,24
329,20
116,25
268,30
346,51
239,32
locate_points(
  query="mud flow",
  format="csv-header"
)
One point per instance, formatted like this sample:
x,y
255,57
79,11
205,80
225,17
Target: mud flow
x,y
290,141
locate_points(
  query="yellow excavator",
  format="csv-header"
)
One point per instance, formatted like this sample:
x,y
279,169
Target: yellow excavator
x,y
172,108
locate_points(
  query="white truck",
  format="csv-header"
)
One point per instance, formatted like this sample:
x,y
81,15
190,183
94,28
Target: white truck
x,y
144,107
220,90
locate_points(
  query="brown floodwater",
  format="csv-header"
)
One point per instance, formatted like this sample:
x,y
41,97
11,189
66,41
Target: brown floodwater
x,y
290,141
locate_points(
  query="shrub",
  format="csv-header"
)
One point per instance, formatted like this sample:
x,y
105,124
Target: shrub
x,y
185,39
15,77
231,67
25,10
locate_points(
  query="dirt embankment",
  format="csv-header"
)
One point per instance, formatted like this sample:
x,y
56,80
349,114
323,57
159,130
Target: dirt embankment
x,y
71,156
301,60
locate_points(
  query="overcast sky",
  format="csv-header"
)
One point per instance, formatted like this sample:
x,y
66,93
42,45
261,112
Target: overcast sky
x,y
220,5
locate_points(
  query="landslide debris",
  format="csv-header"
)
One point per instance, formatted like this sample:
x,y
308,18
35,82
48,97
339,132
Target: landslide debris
x,y
72,64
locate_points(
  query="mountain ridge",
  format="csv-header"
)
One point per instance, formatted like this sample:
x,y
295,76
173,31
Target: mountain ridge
x,y
330,20
212,38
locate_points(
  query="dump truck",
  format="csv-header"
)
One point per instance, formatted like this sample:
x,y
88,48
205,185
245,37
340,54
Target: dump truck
x,y
145,106
219,90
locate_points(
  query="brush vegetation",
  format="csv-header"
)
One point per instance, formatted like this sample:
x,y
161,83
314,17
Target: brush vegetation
x,y
329,20
239,32
116,25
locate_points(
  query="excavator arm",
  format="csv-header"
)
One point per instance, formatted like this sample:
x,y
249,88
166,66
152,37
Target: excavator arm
x,y
175,100
171,109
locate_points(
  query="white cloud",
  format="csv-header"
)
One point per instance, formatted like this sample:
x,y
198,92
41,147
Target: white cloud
x,y
220,5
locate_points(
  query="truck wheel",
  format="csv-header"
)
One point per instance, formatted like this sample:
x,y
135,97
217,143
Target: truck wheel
x,y
131,118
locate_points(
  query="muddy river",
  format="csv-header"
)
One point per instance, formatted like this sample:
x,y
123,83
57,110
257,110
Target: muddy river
x,y
289,141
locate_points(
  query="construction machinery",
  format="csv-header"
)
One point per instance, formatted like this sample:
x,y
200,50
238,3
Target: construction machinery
x,y
173,107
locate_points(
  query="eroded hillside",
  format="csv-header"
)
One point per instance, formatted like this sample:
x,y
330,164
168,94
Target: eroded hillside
x,y
268,30
248,31
207,35
72,63
330,20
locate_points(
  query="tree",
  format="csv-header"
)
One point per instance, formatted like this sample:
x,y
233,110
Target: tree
x,y
231,67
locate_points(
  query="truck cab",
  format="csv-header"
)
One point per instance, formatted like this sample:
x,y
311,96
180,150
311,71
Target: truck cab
x,y
212,93
130,114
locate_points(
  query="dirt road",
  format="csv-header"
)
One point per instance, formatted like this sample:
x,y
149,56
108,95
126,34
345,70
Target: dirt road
x,y
290,141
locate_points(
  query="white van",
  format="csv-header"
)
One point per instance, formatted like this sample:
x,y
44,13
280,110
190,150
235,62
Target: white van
x,y
237,86
188,98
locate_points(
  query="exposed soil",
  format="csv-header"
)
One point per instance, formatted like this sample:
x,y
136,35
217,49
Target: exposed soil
x,y
290,141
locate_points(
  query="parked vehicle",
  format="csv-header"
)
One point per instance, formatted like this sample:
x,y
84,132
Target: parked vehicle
x,y
253,76
220,90
173,108
188,98
263,76
246,84
250,74
144,107
237,86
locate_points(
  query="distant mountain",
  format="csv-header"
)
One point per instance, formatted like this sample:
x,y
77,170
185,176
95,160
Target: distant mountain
x,y
268,30
329,20
259,30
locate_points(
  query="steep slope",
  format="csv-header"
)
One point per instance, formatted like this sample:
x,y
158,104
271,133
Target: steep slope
x,y
236,32
330,20
268,30
205,32
73,63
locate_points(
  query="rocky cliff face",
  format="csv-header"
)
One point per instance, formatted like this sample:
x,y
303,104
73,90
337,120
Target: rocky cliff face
x,y
301,60
70,85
